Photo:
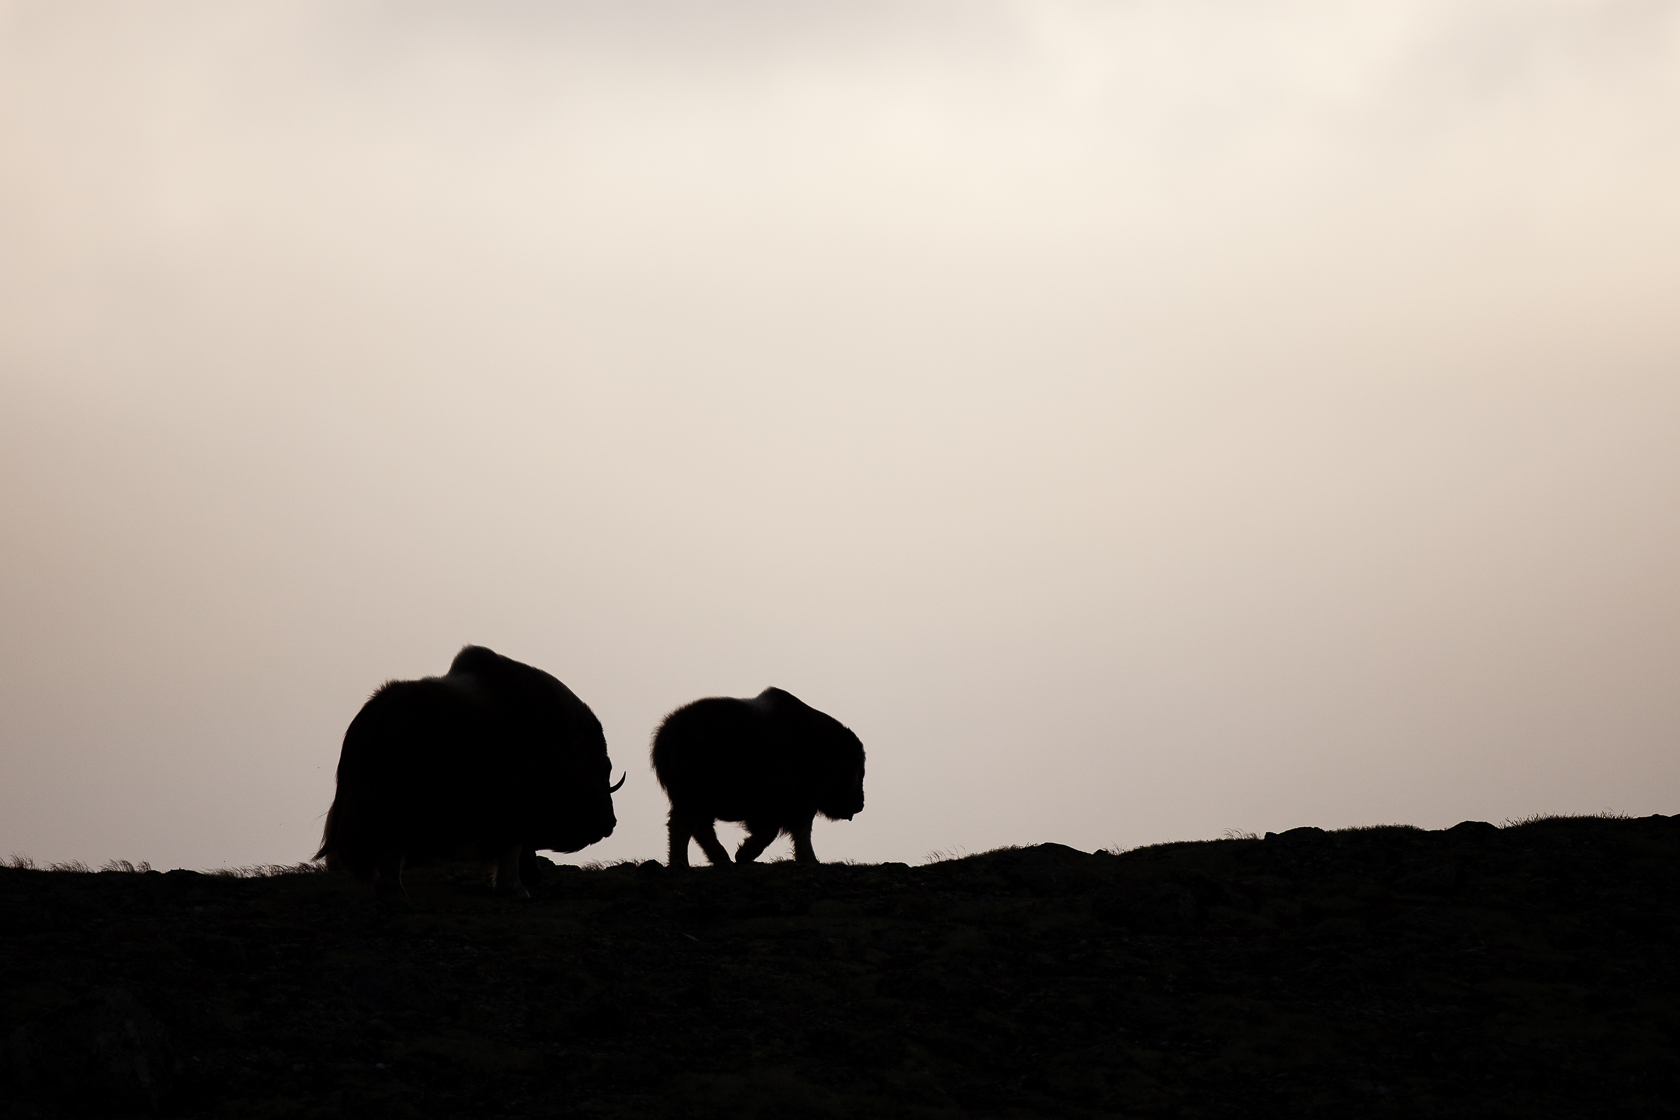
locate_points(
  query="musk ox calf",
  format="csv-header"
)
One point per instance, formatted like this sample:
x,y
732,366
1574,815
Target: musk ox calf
x,y
772,763
489,762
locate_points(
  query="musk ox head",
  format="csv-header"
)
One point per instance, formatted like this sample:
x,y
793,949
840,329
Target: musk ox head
x,y
560,769
581,807
575,793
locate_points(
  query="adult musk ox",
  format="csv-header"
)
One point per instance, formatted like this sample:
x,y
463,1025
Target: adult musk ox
x,y
489,762
772,763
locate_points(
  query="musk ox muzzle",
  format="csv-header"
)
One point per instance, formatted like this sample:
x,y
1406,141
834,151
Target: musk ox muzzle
x,y
490,762
772,763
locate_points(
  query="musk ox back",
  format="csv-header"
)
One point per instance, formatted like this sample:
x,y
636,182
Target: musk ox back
x,y
772,763
490,762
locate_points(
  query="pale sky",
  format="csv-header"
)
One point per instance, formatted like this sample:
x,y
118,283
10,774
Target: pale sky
x,y
1135,420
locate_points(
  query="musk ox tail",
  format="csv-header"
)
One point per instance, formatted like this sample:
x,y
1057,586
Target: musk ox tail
x,y
331,840
327,844
338,851
354,825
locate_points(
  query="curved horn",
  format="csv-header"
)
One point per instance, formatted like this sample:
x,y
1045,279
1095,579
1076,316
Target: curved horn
x,y
615,789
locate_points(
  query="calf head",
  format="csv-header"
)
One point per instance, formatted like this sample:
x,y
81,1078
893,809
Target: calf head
x,y
839,770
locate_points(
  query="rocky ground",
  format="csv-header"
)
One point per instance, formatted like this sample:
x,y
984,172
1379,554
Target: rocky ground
x,y
1478,971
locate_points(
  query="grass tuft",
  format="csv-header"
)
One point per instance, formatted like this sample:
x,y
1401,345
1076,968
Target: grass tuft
x,y
1005,848
1378,828
1537,818
942,855
269,870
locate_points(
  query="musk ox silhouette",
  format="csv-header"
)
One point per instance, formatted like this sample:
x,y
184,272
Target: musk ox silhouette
x,y
489,762
772,763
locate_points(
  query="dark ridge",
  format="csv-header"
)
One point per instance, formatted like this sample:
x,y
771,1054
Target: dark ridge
x,y
1477,971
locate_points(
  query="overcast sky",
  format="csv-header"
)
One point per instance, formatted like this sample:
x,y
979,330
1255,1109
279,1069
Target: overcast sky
x,y
1135,420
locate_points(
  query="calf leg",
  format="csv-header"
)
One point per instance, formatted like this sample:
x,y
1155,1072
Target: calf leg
x,y
759,836
706,833
801,833
680,834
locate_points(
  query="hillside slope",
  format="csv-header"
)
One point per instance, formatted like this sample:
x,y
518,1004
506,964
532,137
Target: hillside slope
x,y
1476,971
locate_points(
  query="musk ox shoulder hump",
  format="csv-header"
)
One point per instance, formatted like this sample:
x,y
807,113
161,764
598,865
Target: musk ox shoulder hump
x,y
775,699
475,659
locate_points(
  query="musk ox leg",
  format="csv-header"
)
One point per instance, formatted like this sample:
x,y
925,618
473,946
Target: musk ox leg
x,y
759,837
530,871
390,875
801,833
506,875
